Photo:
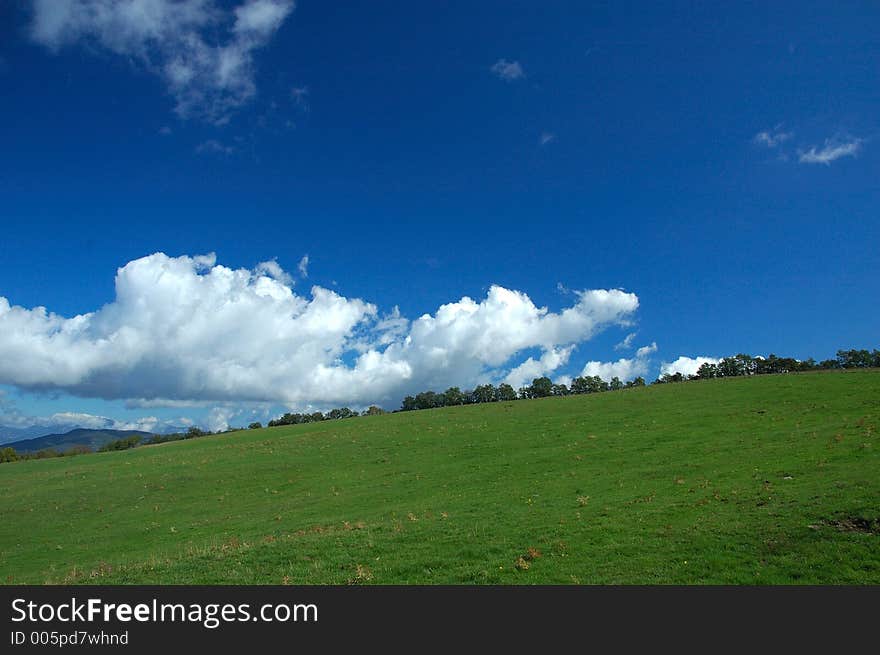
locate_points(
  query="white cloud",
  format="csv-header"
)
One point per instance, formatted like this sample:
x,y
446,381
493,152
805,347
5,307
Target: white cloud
x,y
218,418
303,266
202,51
66,421
626,344
532,368
389,329
772,138
686,365
273,270
546,137
623,368
188,329
143,423
260,18
76,418
508,70
832,150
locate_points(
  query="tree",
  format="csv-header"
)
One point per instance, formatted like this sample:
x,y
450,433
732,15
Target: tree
x,y
559,390
638,382
484,393
707,371
747,363
427,400
120,444
8,454
373,410
808,364
729,367
854,358
541,387
453,396
616,383
408,404
505,392
256,425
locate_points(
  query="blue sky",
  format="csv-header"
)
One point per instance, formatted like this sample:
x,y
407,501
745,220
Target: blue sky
x,y
719,163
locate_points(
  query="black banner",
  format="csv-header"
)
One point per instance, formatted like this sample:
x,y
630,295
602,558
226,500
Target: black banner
x,y
328,618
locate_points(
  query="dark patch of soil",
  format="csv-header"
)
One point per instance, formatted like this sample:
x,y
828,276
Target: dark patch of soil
x,y
856,524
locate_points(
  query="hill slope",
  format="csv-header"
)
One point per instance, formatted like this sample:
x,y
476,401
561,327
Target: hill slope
x,y
92,439
748,480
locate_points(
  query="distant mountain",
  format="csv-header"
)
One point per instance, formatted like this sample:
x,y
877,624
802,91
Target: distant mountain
x,y
92,439
8,433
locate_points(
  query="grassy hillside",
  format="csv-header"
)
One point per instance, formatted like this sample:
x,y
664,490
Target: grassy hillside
x,y
774,479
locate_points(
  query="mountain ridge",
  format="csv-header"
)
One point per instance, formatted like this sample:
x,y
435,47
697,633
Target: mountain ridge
x,y
90,438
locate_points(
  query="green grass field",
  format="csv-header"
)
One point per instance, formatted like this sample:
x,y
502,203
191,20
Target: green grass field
x,y
774,479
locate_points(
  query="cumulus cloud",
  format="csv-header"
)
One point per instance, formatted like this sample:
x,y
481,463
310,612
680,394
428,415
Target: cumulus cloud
x,y
686,365
15,424
188,329
534,368
64,421
303,266
143,423
832,150
624,369
273,270
508,70
202,50
218,418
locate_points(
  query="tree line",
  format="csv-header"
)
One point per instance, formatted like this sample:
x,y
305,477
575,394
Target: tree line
x,y
742,364
314,417
542,387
